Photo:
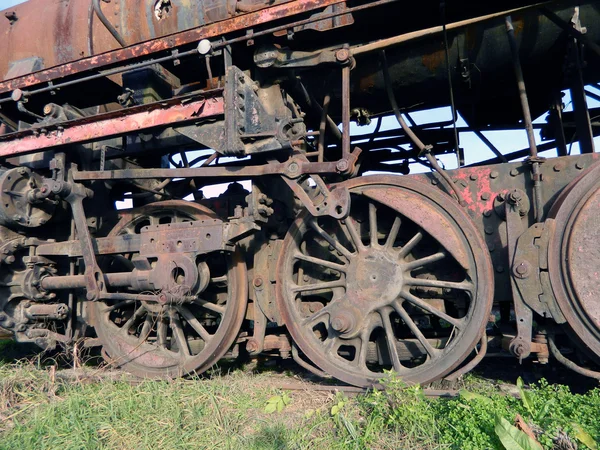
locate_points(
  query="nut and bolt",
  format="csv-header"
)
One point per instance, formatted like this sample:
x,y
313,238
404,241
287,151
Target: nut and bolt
x,y
516,196
339,324
342,165
252,346
342,55
514,173
522,269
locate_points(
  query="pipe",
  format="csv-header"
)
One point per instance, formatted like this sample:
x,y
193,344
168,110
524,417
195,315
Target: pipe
x,y
323,127
107,24
423,149
345,111
471,364
568,363
510,32
533,153
402,38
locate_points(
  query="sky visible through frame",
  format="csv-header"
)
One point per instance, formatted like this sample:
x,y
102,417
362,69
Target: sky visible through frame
x,y
474,149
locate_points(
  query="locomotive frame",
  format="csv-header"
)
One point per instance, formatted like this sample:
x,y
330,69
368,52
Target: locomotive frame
x,y
351,274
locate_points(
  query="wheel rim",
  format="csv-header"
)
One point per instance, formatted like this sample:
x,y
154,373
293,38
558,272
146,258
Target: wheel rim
x,y
574,258
151,340
359,302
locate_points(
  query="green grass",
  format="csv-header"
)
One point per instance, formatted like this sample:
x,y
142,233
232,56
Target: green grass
x,y
37,411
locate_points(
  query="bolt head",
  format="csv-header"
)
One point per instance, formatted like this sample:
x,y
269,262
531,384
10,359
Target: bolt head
x,y
342,165
204,46
16,95
258,282
342,55
337,324
252,346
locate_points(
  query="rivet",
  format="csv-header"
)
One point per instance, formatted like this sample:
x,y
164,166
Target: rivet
x,y
489,230
434,181
487,213
579,165
494,174
558,167
491,246
473,177
485,196
514,173
499,269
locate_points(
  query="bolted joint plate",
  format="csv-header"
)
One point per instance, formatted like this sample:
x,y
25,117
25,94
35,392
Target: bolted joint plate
x,y
533,284
199,237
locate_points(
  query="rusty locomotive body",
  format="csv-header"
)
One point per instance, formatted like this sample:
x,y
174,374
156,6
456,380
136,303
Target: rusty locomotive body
x,y
334,254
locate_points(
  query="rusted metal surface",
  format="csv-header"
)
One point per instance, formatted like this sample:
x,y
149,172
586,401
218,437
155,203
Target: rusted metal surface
x,y
351,275
379,280
110,124
215,318
574,258
73,64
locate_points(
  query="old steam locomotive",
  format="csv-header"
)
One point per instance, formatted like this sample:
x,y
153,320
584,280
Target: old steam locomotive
x,y
336,255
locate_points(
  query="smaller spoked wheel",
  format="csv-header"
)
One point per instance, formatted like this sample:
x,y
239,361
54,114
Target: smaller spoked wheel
x,y
186,333
403,284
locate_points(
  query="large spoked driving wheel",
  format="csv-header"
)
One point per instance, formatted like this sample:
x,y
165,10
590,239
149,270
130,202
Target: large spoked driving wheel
x,y
404,284
151,339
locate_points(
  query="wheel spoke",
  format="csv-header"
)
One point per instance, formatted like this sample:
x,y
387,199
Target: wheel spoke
x,y
373,225
330,239
458,323
210,306
462,286
391,339
414,329
321,262
194,323
410,245
349,228
327,285
417,263
389,243
146,328
178,333
138,313
117,306
161,333
311,320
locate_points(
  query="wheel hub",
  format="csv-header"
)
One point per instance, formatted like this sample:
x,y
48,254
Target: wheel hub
x,y
374,281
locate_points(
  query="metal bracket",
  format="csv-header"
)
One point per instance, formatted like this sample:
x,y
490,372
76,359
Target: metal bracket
x,y
520,345
94,278
530,271
324,202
